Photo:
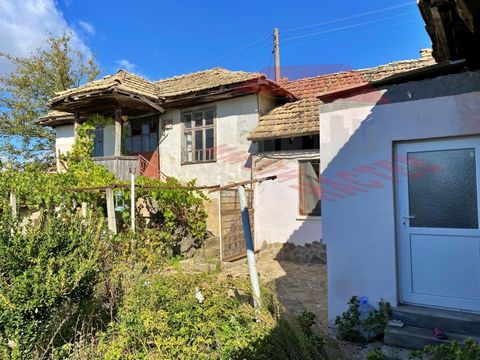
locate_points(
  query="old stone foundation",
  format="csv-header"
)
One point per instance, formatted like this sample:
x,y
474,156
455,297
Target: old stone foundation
x,y
310,253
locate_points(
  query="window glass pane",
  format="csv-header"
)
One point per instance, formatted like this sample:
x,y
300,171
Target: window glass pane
x,y
209,144
198,118
187,120
153,141
199,145
310,187
442,189
209,114
145,128
188,146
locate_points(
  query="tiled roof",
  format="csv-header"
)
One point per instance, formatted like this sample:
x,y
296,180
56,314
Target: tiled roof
x,y
203,80
292,119
53,117
315,86
302,117
122,80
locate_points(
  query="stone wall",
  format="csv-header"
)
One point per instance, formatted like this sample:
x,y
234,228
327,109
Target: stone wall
x,y
310,253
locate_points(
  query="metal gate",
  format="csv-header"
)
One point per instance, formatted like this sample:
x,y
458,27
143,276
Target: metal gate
x,y
233,243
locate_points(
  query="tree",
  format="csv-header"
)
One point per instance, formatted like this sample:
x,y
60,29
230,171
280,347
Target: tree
x,y
25,92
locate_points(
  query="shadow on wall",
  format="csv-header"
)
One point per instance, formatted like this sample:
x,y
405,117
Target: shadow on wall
x,y
358,171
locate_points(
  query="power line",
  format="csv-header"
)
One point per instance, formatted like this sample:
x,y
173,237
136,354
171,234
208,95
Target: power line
x,y
348,17
239,49
343,35
345,27
388,8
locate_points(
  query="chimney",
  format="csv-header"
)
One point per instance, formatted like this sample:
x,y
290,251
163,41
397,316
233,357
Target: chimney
x,y
426,54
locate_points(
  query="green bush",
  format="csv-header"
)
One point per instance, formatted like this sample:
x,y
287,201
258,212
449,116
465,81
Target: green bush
x,y
351,328
161,318
453,351
47,278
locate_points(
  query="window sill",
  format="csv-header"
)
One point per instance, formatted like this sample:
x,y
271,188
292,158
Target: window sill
x,y
309,217
198,162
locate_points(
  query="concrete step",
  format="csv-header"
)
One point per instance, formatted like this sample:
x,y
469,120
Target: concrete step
x,y
429,318
415,338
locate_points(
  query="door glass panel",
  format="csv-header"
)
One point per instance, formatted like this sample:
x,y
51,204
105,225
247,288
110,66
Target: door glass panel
x,y
442,189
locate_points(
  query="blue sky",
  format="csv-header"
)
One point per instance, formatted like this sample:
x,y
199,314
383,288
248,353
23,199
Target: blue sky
x,y
159,39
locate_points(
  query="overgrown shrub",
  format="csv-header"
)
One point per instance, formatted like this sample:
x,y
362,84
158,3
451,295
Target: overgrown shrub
x,y
179,213
47,277
160,317
453,351
351,328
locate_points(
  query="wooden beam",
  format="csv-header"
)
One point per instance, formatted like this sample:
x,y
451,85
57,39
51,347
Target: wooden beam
x,y
152,104
440,34
118,133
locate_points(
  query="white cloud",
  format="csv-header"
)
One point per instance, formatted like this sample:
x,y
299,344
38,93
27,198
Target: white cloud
x,y
25,24
127,65
87,27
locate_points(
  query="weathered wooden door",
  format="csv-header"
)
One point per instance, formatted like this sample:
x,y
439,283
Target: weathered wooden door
x,y
233,243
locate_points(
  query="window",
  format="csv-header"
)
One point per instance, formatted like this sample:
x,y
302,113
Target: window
x,y
199,136
309,189
98,141
142,135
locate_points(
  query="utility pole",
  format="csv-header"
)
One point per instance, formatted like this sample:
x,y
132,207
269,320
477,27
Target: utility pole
x,y
276,53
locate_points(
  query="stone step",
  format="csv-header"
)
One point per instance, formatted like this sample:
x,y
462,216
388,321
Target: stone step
x,y
415,338
429,318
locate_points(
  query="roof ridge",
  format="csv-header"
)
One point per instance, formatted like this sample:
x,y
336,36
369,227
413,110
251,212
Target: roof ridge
x,y
399,62
217,68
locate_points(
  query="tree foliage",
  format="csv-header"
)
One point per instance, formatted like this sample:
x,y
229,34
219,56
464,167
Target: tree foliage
x,y
25,92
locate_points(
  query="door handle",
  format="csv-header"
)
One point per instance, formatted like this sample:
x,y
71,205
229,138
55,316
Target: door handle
x,y
405,217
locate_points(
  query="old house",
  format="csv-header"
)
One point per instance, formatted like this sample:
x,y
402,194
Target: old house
x,y
219,126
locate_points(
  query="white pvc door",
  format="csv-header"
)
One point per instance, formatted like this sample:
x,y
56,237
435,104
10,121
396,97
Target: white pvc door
x,y
438,223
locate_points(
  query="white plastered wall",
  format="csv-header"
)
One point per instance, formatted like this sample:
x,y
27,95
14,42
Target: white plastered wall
x,y
356,144
277,218
235,118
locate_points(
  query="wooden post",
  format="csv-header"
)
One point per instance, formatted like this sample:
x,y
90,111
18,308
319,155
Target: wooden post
x,y
112,222
118,133
75,124
276,53
13,204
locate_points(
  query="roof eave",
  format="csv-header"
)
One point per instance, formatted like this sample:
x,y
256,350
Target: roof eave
x,y
412,75
223,92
